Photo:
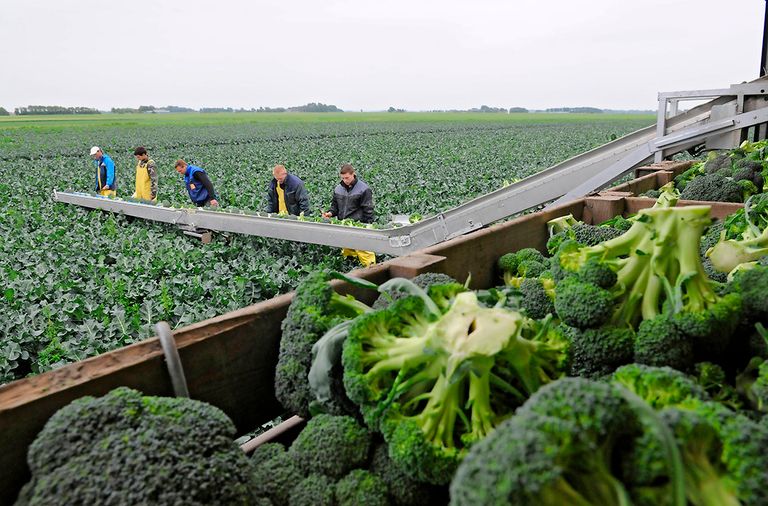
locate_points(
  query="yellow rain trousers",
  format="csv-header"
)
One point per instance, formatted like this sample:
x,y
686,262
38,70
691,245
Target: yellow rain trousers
x,y
367,258
143,183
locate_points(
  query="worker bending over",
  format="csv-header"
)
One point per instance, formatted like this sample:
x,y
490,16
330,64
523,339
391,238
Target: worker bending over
x,y
198,185
146,176
353,199
106,180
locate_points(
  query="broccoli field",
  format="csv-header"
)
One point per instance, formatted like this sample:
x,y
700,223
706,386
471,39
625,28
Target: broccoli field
x,y
77,283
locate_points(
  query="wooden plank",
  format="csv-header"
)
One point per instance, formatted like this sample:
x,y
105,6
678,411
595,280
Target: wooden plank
x,y
719,209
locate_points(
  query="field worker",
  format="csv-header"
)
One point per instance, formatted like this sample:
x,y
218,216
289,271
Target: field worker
x,y
106,182
198,185
146,176
353,199
286,193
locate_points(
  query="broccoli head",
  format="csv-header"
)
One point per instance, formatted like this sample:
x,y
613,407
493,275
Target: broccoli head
x,y
597,352
424,280
275,479
331,445
659,386
431,380
659,342
314,310
361,487
131,449
713,187
403,490
314,490
560,448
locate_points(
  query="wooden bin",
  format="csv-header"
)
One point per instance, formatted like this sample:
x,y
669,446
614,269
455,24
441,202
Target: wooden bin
x,y
229,360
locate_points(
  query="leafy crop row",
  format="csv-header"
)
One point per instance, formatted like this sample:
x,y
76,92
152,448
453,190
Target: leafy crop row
x,y
75,283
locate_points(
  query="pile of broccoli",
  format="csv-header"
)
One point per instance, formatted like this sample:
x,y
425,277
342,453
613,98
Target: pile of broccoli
x,y
335,461
731,176
125,448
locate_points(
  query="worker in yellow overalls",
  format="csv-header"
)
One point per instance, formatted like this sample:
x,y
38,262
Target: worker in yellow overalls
x,y
106,179
353,199
146,176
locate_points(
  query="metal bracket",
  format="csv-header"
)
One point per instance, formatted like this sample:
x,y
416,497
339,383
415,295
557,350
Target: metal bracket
x,y
172,359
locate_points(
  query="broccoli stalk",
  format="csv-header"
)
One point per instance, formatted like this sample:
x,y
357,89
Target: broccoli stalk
x,y
726,255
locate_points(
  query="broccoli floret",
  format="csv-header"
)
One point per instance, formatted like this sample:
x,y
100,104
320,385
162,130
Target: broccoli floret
x,y
526,263
581,304
712,328
125,448
597,352
752,285
653,194
315,309
683,179
430,379
331,445
361,487
560,224
718,163
534,299
275,479
597,273
744,455
711,377
403,490
658,269
659,342
265,452
659,386
618,222
706,478
560,448
713,187
591,235
314,490
424,280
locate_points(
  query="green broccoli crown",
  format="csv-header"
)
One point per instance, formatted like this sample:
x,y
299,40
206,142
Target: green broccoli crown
x,y
265,452
424,280
718,163
712,187
531,268
315,309
602,419
530,254
659,386
361,487
432,379
582,305
403,490
591,235
525,461
657,264
659,342
743,450
752,285
314,490
710,328
508,263
151,447
597,273
331,445
534,299
275,479
597,352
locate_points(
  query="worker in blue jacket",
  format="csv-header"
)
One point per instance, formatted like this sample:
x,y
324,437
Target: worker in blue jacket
x,y
198,184
106,182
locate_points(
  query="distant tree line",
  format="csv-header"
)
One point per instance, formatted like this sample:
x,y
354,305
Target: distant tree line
x,y
53,109
3,112
575,109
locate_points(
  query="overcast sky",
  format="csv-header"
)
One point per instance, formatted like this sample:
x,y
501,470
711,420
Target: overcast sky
x,y
364,54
